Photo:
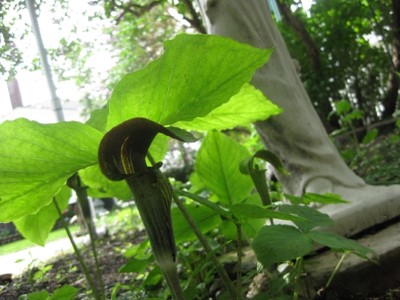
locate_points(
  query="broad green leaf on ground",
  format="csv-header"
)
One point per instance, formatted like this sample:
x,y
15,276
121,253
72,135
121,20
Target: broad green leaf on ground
x,y
66,292
36,160
140,251
196,74
280,243
41,295
312,218
205,219
37,227
247,106
135,265
343,244
101,186
217,165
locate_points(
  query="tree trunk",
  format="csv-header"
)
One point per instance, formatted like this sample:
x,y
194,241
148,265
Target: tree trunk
x,y
298,26
391,98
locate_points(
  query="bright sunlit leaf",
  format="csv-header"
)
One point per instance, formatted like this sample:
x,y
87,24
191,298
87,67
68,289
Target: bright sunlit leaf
x,y
247,106
37,227
195,75
217,165
36,160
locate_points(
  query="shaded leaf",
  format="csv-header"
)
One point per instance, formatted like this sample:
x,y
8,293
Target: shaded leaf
x,y
340,243
205,219
280,243
311,217
135,265
256,212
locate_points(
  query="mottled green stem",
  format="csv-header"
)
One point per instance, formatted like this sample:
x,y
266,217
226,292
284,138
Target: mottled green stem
x,y
78,253
239,261
76,184
338,265
297,280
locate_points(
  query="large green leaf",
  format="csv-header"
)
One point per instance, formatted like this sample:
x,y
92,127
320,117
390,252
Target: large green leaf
x,y
98,119
280,243
253,211
66,292
205,219
249,229
196,74
217,165
310,217
340,243
37,227
101,186
247,106
36,160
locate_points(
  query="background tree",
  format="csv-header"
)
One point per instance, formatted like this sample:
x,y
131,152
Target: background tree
x,y
343,49
347,49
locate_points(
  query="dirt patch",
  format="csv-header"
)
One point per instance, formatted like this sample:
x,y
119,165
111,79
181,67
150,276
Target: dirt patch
x,y
65,269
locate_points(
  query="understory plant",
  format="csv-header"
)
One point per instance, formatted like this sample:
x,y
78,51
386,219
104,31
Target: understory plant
x,y
195,90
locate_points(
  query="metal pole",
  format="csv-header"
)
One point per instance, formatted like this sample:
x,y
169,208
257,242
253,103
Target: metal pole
x,y
56,103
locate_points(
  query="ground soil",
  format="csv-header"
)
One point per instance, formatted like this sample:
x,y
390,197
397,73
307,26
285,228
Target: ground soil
x,y
66,270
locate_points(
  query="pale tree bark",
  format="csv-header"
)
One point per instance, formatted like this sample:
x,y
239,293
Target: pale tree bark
x,y
297,135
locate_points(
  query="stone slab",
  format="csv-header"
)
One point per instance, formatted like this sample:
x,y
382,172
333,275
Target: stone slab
x,y
357,277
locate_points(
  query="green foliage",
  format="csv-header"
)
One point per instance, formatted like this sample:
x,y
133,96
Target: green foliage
x,y
199,83
217,165
279,243
100,186
377,161
195,75
232,113
66,292
37,227
205,219
36,160
356,70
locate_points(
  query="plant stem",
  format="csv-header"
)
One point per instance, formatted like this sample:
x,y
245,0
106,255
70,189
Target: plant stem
x,y
77,252
297,280
76,184
239,261
99,275
203,241
338,265
206,203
